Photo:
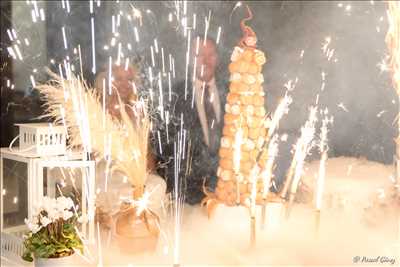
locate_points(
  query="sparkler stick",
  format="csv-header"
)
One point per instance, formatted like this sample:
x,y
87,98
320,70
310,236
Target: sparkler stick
x,y
178,203
253,176
283,108
100,263
267,174
93,46
323,147
303,145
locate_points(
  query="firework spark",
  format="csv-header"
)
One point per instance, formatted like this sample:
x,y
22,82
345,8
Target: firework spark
x,y
283,108
323,148
267,172
302,148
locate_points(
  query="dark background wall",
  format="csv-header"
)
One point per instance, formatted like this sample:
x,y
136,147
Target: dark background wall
x,y
284,29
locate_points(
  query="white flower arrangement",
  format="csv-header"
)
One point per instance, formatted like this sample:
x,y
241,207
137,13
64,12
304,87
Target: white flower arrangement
x,y
50,210
53,232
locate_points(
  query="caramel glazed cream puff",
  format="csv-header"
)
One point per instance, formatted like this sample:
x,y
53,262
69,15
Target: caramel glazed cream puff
x,y
244,109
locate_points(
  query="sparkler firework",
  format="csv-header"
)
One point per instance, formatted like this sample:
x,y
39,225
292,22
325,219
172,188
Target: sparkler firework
x,y
302,148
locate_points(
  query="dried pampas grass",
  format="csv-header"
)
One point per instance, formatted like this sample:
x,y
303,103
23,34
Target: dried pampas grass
x,y
72,103
393,42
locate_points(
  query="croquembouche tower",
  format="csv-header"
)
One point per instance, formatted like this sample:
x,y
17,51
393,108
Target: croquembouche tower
x,y
244,137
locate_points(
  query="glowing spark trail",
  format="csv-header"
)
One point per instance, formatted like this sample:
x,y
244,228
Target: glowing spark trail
x,y
91,6
42,15
11,52
302,148
238,4
33,16
283,108
64,38
267,172
136,34
18,52
207,26
153,63
218,35
341,105
109,75
380,113
323,148
163,60
93,47
10,35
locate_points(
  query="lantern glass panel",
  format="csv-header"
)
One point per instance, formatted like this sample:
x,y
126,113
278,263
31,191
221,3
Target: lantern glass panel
x,y
64,181
67,181
15,192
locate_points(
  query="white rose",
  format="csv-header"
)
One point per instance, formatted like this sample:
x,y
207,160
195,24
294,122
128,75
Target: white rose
x,y
60,201
49,204
45,221
64,203
81,219
53,214
67,214
70,203
35,228
33,221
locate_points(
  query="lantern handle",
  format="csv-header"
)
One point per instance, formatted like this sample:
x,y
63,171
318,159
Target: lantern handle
x,y
22,150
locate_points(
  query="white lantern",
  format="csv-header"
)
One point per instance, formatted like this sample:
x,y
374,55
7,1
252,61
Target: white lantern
x,y
42,139
22,185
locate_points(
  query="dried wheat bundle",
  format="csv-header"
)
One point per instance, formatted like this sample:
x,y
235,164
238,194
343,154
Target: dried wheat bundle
x,y
72,103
